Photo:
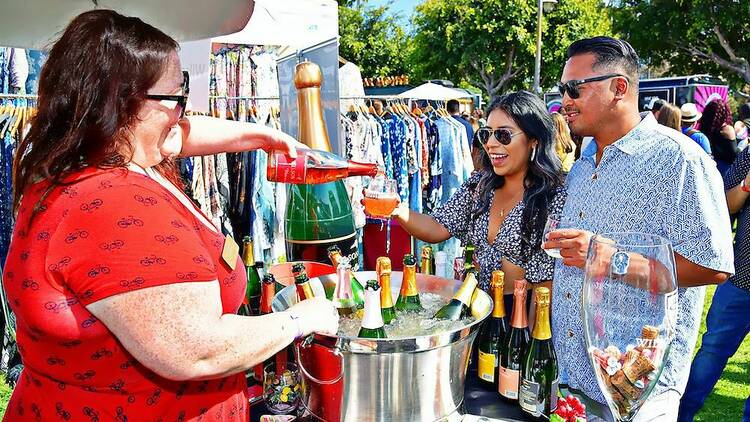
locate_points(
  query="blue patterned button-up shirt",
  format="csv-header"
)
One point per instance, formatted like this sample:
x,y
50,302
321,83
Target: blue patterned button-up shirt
x,y
653,180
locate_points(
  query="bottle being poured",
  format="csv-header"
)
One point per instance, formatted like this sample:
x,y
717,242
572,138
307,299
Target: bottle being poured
x,y
314,167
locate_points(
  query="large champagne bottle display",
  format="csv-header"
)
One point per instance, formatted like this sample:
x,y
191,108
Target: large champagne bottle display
x,y
514,347
493,334
538,394
318,215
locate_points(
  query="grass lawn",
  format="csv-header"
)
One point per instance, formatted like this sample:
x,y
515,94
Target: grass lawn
x,y
725,403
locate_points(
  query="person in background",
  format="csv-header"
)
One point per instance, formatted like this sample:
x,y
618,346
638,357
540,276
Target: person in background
x,y
503,207
670,116
656,107
635,176
564,145
125,294
689,116
716,123
455,111
742,126
728,319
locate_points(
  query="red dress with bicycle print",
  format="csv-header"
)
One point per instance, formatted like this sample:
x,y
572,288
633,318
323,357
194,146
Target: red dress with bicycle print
x,y
109,232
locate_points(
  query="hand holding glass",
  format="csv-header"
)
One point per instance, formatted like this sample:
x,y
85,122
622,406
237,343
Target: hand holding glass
x,y
554,222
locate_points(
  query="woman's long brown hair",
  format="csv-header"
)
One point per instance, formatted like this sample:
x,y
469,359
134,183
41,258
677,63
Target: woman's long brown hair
x,y
90,91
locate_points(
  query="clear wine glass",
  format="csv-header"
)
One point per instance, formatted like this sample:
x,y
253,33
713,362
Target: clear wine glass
x,y
381,198
630,315
554,222
282,388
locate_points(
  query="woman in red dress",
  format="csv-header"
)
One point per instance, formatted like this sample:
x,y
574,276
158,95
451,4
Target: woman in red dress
x,y
125,306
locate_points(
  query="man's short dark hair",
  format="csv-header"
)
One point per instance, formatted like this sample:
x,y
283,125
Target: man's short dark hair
x,y
452,106
658,104
611,54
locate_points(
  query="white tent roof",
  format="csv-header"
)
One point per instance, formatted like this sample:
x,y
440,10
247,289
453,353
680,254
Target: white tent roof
x,y
38,23
294,23
431,91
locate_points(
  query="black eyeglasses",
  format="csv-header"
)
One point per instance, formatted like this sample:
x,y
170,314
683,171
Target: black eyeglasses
x,y
504,136
571,87
181,99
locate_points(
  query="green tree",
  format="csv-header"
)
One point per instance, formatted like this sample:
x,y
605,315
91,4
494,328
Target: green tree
x,y
691,36
372,39
492,43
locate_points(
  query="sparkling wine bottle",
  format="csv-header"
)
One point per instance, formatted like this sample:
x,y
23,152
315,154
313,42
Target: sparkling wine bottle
x,y
493,334
469,261
458,307
251,302
383,269
343,298
313,167
372,322
538,394
334,255
514,347
267,292
317,215
408,297
427,266
302,282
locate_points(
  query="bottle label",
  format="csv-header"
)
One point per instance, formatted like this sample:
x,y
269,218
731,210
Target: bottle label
x,y
533,399
487,365
508,385
290,170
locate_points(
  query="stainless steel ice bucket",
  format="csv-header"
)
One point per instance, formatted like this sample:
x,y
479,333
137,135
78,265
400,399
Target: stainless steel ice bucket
x,y
412,379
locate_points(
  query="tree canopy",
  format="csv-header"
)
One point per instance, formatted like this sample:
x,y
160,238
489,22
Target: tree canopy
x,y
373,39
690,36
492,43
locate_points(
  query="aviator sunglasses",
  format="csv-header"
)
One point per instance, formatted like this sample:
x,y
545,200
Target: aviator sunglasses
x,y
504,136
571,87
181,98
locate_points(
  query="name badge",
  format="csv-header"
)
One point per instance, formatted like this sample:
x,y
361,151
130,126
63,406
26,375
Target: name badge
x,y
230,252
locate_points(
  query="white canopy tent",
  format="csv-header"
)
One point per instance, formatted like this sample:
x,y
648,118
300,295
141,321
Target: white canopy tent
x,y
432,91
291,23
36,24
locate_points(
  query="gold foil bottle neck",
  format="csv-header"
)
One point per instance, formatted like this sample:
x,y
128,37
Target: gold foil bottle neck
x,y
307,75
311,125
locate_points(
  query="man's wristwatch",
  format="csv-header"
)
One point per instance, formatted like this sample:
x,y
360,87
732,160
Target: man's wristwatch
x,y
744,186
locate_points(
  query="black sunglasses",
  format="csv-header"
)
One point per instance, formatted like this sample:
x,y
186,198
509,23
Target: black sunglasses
x,y
504,136
571,87
181,99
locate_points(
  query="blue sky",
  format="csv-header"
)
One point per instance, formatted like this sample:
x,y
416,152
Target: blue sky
x,y
404,7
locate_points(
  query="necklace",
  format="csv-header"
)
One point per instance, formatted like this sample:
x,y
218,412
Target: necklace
x,y
514,201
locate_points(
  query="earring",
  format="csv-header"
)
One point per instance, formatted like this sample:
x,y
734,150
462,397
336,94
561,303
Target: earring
x,y
533,152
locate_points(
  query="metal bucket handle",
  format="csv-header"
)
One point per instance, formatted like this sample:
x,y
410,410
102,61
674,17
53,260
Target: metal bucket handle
x,y
336,351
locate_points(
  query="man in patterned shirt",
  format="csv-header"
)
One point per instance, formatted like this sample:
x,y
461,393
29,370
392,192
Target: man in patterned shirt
x,y
637,176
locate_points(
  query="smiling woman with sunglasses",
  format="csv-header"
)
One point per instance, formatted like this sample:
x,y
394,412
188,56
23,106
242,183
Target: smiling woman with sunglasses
x,y
114,322
502,209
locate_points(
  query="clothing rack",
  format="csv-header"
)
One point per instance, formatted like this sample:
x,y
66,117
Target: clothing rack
x,y
252,97
19,96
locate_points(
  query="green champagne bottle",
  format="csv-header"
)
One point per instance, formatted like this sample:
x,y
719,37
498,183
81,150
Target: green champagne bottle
x,y
383,269
251,302
372,322
514,346
334,255
304,289
267,292
427,266
458,307
343,298
469,257
317,215
408,297
539,381
494,332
